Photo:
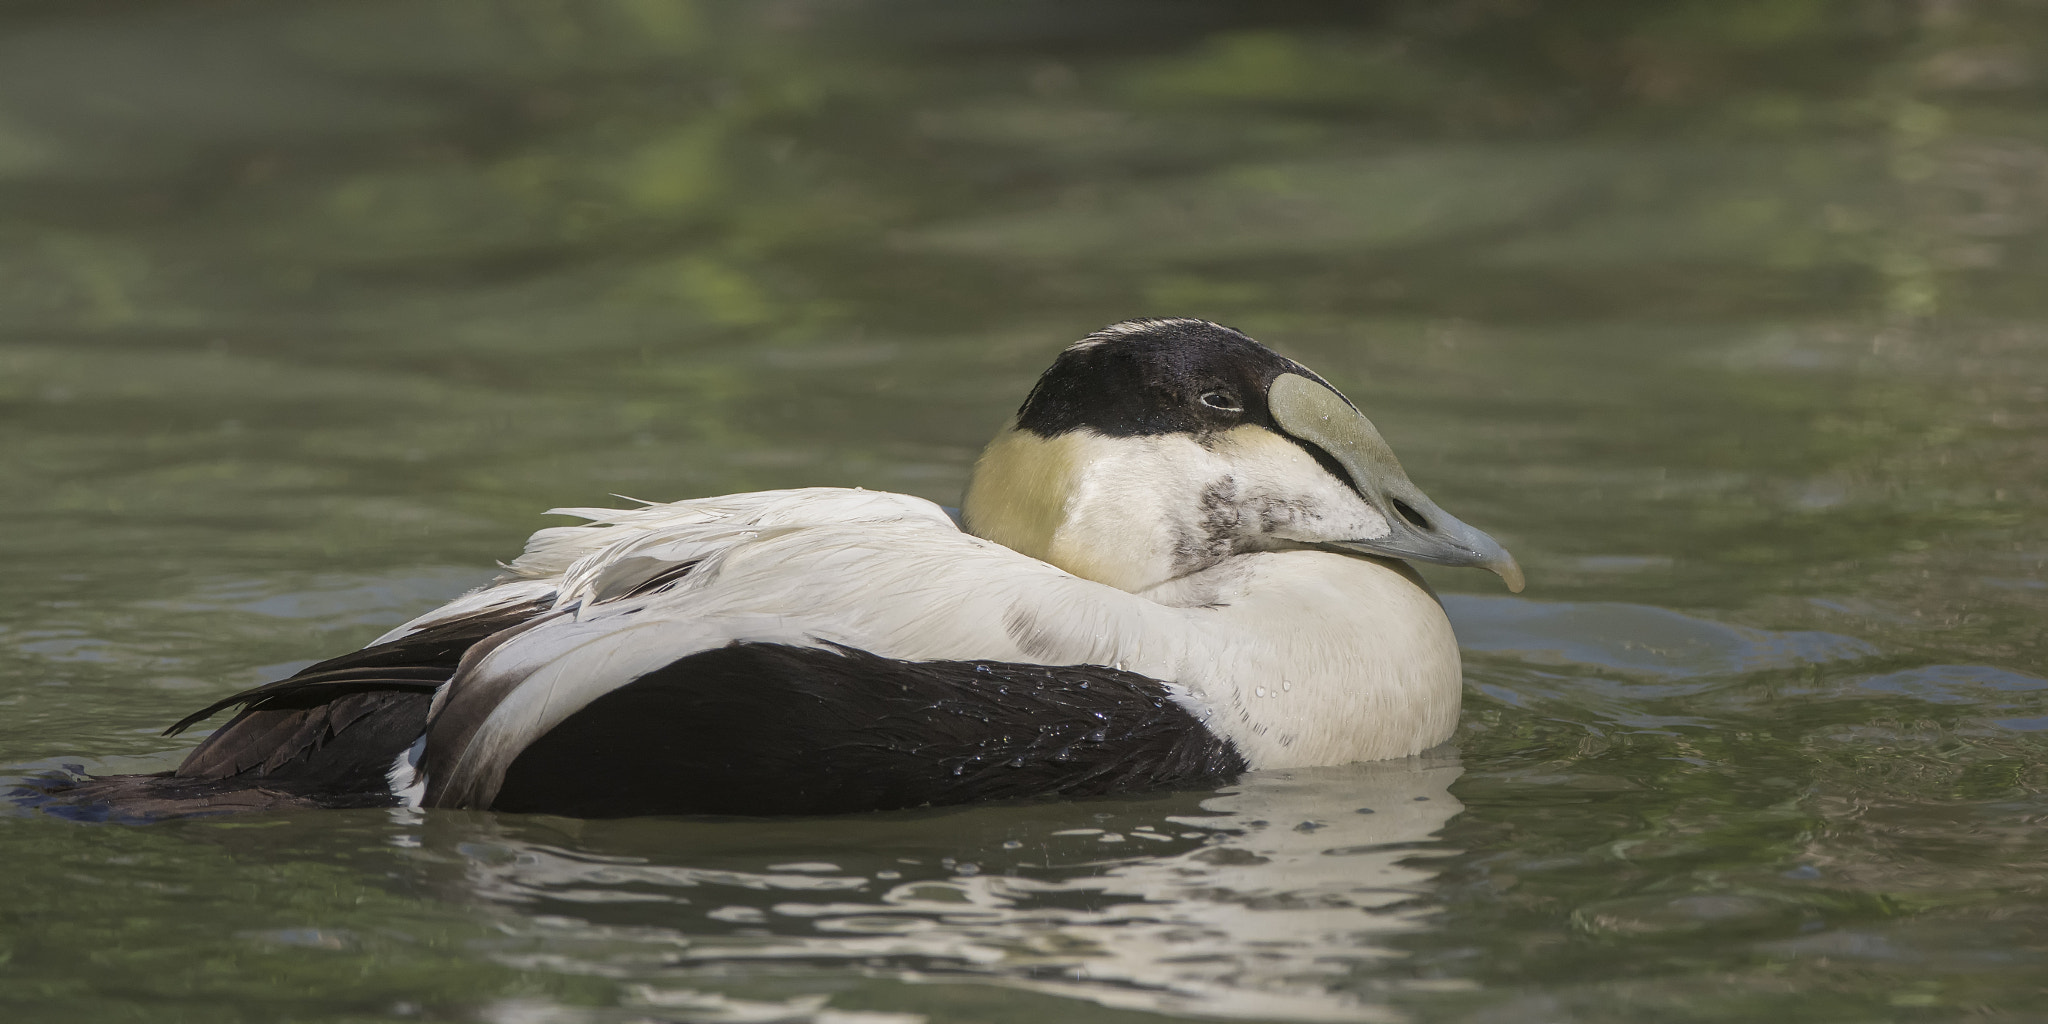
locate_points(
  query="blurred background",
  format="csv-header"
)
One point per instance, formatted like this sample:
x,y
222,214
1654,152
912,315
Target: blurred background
x,y
1729,318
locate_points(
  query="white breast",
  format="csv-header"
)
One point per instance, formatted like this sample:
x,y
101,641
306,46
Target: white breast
x,y
1310,657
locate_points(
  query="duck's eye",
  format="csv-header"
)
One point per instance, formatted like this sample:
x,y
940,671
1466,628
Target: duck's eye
x,y
1221,402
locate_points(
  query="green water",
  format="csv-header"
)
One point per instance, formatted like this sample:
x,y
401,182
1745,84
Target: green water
x,y
1729,319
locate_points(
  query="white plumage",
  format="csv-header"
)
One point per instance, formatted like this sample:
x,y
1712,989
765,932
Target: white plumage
x,y
1269,649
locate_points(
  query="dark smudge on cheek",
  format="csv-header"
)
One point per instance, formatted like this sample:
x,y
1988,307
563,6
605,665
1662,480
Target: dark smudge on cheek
x,y
1212,534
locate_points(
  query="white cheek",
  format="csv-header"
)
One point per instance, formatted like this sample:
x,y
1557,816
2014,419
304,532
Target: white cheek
x,y
1353,519
1128,506
1290,497
1333,514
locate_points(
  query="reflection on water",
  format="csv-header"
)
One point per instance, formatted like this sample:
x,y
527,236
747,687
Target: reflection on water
x,y
1636,639
1263,901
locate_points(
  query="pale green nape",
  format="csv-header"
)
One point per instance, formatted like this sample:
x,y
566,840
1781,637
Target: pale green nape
x,y
1017,496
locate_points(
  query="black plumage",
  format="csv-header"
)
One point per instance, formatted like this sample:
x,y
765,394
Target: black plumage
x,y
762,729
325,737
284,726
748,729
331,754
1174,376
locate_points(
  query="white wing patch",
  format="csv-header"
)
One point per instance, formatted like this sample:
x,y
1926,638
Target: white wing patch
x,y
406,781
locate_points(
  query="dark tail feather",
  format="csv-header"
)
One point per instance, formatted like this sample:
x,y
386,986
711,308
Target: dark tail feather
x,y
325,737
420,662
272,757
135,799
308,688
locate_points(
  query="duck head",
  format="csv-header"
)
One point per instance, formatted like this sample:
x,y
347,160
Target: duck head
x,y
1157,448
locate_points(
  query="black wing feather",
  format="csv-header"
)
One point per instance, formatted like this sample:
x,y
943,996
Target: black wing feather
x,y
422,660
288,726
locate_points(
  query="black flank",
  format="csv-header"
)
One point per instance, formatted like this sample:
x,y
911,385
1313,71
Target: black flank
x,y
767,729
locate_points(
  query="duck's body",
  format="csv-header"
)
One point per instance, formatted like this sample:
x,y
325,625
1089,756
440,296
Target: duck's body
x,y
1148,603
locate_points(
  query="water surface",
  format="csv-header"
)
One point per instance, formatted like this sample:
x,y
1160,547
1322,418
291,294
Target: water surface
x,y
1727,319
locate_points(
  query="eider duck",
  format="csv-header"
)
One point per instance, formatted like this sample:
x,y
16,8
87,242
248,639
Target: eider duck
x,y
1182,559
